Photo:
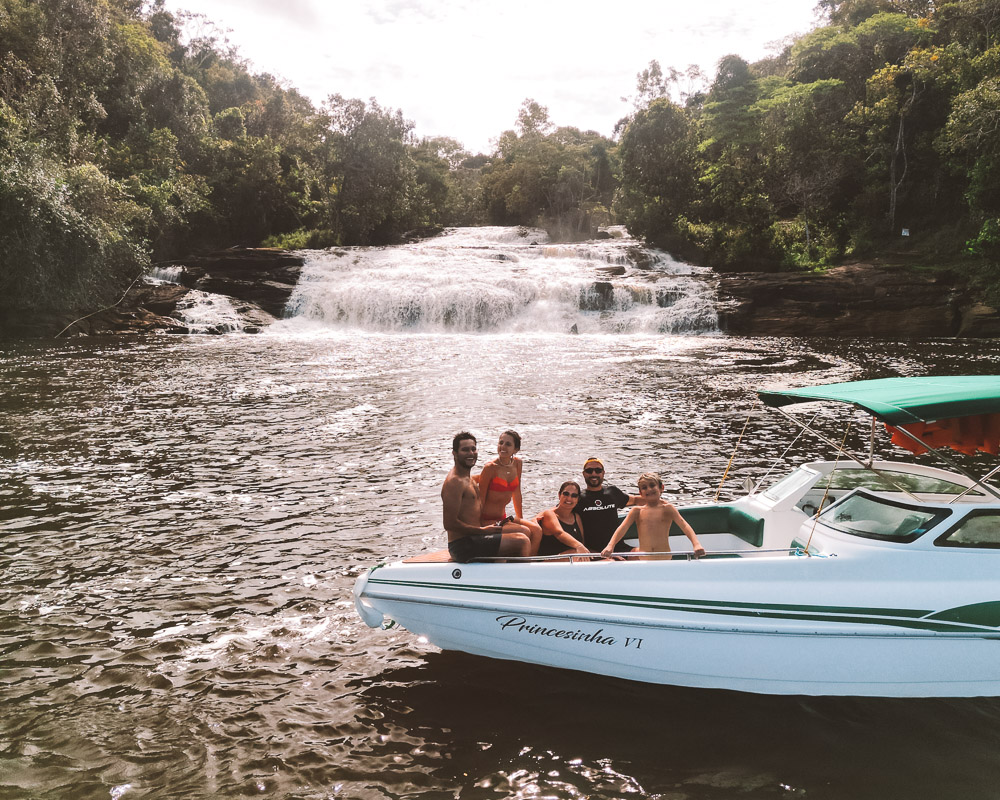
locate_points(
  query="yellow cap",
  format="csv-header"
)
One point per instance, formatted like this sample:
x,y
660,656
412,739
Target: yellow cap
x,y
592,458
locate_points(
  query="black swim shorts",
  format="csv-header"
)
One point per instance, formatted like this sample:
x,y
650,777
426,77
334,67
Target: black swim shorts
x,y
482,545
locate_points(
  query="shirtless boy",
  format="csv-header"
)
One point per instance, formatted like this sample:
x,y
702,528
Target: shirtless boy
x,y
467,539
653,521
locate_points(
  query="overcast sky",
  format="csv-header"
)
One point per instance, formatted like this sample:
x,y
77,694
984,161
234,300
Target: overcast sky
x,y
461,68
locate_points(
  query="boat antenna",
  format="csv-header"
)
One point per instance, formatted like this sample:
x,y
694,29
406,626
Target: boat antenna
x,y
829,483
737,447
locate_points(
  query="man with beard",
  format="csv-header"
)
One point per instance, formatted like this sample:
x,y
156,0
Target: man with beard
x,y
598,508
460,497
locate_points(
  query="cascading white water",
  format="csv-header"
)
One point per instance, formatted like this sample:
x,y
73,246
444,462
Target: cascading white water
x,y
201,312
505,279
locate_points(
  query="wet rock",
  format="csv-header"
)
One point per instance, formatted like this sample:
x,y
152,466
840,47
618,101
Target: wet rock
x,y
614,270
258,281
161,299
125,319
980,321
641,257
600,296
667,297
263,276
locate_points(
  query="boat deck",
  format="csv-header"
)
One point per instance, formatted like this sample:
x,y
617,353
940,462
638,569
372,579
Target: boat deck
x,y
435,557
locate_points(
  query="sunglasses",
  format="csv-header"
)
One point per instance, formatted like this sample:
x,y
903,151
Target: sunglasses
x,y
593,471
569,494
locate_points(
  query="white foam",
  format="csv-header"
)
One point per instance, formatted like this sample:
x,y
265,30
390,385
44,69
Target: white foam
x,y
504,279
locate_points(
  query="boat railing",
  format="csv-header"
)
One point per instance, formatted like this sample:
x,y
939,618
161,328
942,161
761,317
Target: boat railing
x,y
640,555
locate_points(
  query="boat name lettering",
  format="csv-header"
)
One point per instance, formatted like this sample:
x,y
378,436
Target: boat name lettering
x,y
521,625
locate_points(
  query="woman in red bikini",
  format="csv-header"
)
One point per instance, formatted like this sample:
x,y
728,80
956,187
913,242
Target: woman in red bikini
x,y
499,483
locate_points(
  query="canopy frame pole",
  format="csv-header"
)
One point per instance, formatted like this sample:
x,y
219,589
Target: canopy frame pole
x,y
851,455
774,463
987,476
948,461
829,481
871,445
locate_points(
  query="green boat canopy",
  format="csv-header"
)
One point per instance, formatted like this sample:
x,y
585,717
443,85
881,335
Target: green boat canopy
x,y
902,401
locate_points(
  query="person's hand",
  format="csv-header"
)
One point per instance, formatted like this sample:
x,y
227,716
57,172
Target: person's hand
x,y
606,552
699,551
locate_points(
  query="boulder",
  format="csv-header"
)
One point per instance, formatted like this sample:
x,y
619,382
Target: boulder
x,y
600,296
259,282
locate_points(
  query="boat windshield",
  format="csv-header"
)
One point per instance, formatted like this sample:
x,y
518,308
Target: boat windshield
x,y
890,480
848,477
879,518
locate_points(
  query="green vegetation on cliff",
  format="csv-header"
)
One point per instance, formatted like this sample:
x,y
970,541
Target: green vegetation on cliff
x,y
122,142
883,119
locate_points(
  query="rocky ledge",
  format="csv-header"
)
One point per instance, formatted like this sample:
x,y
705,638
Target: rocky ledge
x,y
853,300
258,281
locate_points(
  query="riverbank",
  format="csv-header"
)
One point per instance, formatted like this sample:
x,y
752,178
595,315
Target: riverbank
x,y
889,298
886,301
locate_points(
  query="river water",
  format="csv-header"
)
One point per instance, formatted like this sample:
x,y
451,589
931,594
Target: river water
x,y
182,520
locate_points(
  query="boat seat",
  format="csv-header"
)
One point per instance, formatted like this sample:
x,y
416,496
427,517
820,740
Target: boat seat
x,y
725,519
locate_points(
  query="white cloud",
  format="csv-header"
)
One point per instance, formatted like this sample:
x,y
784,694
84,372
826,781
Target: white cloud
x,y
461,68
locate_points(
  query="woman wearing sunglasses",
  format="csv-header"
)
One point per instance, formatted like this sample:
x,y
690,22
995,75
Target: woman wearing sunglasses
x,y
562,527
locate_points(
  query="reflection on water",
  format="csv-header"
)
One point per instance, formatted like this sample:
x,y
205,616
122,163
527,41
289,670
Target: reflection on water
x,y
181,522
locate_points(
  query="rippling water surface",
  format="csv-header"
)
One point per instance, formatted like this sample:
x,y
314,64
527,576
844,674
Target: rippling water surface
x,y
182,521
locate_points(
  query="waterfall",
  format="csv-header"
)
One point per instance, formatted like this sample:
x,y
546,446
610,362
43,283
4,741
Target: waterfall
x,y
201,312
505,279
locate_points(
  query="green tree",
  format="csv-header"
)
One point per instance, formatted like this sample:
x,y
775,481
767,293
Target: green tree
x,y
658,172
371,176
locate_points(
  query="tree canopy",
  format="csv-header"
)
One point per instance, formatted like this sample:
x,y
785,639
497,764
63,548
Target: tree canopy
x,y
884,118
130,134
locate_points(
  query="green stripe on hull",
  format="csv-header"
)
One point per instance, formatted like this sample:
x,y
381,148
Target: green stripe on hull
x,y
973,618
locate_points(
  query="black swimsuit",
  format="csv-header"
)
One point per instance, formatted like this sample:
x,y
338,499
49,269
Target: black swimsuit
x,y
551,546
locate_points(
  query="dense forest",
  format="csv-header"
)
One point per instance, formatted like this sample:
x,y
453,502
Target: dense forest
x,y
125,138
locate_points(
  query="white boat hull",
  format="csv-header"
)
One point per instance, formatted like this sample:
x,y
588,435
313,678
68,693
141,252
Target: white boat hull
x,y
766,625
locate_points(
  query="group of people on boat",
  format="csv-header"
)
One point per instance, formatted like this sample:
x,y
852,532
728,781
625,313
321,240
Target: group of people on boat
x,y
584,520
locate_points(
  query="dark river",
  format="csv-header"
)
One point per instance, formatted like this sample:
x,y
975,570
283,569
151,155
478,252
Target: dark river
x,y
182,520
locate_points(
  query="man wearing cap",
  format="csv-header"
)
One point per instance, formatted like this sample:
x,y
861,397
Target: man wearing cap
x,y
598,508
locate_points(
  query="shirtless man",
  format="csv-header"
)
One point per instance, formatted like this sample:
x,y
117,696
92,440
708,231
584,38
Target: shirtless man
x,y
653,521
460,497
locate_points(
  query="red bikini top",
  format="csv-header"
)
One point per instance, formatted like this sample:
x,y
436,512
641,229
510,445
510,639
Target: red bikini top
x,y
498,484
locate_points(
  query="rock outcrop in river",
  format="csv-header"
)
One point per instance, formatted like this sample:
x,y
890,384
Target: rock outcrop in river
x,y
259,281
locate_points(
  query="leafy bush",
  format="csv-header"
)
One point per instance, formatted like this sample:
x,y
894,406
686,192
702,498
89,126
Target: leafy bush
x,y
789,240
303,240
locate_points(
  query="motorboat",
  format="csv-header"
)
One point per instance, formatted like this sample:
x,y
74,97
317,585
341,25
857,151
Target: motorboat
x,y
853,576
